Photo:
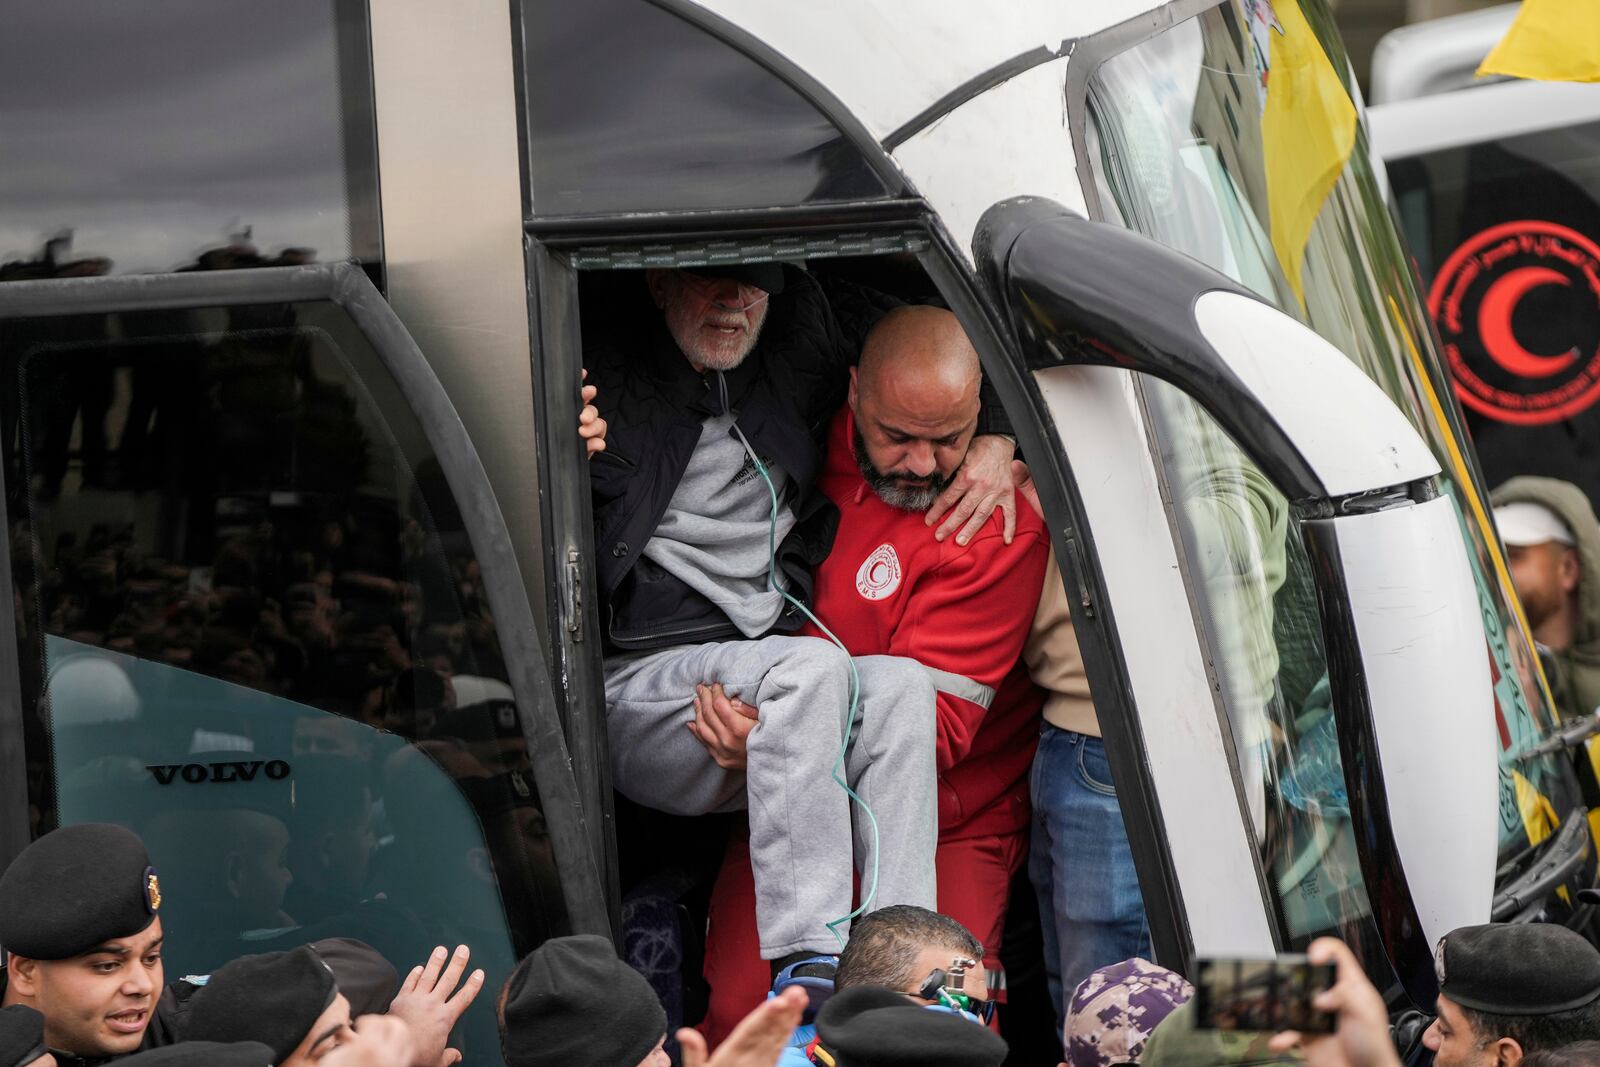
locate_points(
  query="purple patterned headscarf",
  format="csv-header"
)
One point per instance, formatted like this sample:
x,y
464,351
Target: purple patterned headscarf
x,y
1113,1011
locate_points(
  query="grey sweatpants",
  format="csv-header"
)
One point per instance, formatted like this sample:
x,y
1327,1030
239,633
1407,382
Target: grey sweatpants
x,y
805,833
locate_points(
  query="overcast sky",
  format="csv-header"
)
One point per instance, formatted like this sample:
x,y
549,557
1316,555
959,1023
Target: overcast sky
x,y
154,129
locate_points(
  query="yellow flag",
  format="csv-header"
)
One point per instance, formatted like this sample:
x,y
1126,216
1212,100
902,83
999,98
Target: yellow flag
x,y
1551,40
1538,814
1308,128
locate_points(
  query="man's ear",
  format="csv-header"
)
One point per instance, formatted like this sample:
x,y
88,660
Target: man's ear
x,y
852,396
24,980
656,281
1507,1052
1571,570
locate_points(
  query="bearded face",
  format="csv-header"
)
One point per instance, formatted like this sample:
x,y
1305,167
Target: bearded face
x,y
1544,575
715,321
900,487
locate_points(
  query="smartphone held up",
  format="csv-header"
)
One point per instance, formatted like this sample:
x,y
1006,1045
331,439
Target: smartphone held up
x,y
1267,995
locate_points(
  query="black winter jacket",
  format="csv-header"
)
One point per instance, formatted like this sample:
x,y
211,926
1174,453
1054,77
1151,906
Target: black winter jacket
x,y
654,403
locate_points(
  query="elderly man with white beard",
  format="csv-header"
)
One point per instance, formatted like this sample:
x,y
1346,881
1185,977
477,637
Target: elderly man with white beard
x,y
708,524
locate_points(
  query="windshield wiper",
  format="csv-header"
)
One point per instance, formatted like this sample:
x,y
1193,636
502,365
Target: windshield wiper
x,y
1568,735
1563,855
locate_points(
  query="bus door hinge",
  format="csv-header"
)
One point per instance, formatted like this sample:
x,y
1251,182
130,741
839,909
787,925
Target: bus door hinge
x,y
1076,576
572,580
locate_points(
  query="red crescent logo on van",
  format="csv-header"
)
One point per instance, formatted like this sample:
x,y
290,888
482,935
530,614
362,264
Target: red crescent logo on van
x,y
1518,308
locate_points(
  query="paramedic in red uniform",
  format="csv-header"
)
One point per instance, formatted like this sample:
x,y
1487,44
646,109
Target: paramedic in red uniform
x,y
962,612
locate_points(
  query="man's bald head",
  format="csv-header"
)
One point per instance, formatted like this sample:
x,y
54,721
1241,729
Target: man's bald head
x,y
915,399
923,347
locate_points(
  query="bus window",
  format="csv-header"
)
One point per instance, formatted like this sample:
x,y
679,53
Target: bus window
x,y
631,107
185,125
1249,570
1242,542
252,628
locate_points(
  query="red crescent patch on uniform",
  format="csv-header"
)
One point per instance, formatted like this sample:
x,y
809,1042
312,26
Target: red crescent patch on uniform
x,y
879,574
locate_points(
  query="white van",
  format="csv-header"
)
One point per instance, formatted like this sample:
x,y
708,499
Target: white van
x,y
298,526
1496,183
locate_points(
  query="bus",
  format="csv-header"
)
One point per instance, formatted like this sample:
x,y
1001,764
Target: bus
x,y
298,528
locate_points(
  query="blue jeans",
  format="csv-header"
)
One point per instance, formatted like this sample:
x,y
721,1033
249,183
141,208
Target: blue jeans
x,y
1082,869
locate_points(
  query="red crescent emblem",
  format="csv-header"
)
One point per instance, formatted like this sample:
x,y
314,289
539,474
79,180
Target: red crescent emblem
x,y
879,574
1474,300
1494,323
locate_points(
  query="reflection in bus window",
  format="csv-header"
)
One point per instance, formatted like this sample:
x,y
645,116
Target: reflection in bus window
x,y
255,633
184,125
636,107
1177,145
1259,616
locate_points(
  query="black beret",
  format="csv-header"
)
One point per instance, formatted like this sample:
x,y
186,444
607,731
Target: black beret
x,y
867,1026
572,1002
76,888
203,1054
1517,968
274,998
367,980
766,276
483,721
500,794
21,1036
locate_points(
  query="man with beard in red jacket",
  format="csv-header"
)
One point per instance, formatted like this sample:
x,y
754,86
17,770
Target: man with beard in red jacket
x,y
962,611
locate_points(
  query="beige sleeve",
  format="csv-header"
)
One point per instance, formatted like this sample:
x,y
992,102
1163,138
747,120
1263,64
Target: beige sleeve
x,y
1054,662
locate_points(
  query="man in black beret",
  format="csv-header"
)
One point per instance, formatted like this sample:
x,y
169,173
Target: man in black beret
x,y
572,1003
82,938
294,1003
22,1038
365,978
1508,989
287,1001
867,1026
381,1041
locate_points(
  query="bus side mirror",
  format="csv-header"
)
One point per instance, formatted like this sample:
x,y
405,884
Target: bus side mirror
x,y
1089,293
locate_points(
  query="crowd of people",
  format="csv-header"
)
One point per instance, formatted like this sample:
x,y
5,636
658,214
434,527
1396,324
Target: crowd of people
x,y
83,916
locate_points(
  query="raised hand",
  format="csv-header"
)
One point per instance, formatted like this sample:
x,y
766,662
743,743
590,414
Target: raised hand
x,y
757,1041
378,1041
430,1004
591,427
